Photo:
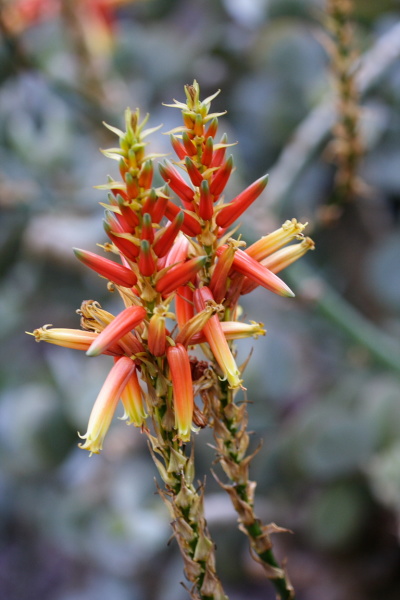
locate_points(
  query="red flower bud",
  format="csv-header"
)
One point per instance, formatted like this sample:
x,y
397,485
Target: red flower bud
x,y
190,148
219,154
107,268
126,246
178,147
166,238
195,176
212,128
146,263
207,152
147,232
237,207
206,205
177,184
146,174
190,224
220,179
179,275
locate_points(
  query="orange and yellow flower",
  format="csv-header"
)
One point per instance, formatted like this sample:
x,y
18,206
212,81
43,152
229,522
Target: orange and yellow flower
x,y
106,404
182,389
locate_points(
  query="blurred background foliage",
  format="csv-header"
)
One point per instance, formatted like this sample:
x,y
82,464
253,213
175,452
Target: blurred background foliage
x,y
323,383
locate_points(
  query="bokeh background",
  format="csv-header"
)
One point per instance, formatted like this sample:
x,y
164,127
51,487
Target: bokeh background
x,y
323,383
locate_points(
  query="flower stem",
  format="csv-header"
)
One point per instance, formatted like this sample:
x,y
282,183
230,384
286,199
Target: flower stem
x,y
232,439
185,504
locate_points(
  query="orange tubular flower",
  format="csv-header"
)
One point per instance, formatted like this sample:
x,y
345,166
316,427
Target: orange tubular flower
x,y
106,404
244,264
237,207
184,307
179,275
149,203
219,278
128,215
127,320
182,385
107,268
132,401
216,339
156,336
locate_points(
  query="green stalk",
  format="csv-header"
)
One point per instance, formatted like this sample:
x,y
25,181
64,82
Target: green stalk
x,y
185,503
232,440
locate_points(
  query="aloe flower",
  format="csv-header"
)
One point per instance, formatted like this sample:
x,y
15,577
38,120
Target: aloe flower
x,y
180,274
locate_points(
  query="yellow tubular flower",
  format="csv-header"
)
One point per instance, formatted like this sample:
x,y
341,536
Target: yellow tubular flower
x,y
106,403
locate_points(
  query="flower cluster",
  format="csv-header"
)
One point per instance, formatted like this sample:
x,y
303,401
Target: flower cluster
x,y
180,274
